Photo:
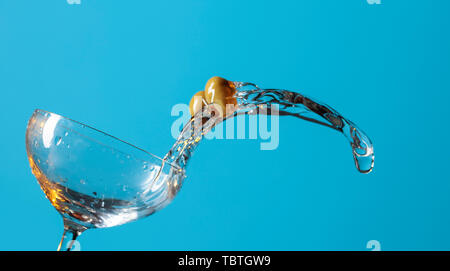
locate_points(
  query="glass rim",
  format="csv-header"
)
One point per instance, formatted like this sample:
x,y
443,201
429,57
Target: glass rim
x,y
43,112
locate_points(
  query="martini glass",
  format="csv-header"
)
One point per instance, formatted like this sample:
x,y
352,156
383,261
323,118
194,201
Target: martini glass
x,y
95,180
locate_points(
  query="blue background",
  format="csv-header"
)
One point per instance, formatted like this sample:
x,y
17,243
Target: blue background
x,y
120,66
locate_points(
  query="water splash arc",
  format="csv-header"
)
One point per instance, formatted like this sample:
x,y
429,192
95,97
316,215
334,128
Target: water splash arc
x,y
251,100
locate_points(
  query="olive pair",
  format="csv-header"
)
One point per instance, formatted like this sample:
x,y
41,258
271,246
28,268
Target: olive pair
x,y
218,92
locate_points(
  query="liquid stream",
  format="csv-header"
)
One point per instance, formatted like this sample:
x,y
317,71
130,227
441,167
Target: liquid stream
x,y
253,100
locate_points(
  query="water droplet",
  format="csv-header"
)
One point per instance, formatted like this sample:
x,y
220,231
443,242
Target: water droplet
x,y
58,140
145,167
82,181
124,188
66,133
139,195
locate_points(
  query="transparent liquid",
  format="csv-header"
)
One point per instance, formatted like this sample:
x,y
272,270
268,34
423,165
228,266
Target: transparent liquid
x,y
96,211
253,100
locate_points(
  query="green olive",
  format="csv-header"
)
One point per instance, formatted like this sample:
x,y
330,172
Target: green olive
x,y
220,91
197,102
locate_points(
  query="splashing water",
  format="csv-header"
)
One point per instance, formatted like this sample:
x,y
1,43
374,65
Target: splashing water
x,y
148,185
253,100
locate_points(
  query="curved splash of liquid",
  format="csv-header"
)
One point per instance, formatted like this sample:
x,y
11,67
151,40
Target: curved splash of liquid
x,y
253,100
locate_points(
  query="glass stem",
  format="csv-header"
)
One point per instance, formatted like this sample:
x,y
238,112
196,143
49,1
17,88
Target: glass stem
x,y
69,238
